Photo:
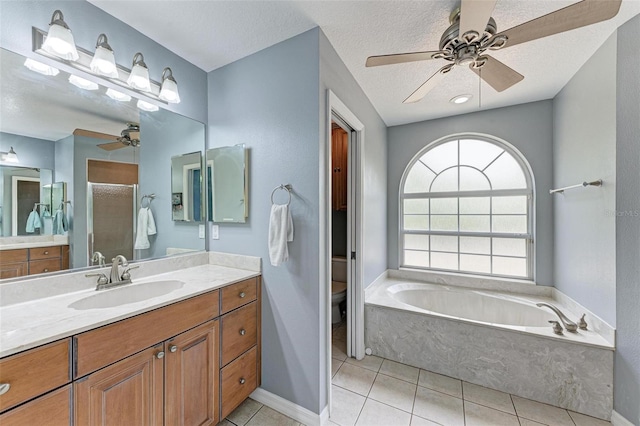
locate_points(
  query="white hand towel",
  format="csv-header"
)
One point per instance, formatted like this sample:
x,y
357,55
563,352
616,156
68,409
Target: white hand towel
x,y
146,227
280,232
151,223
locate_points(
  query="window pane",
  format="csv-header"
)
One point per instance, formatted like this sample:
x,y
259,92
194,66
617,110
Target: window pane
x,y
416,258
478,153
510,224
479,245
475,205
444,206
475,223
444,261
510,247
418,206
444,223
506,173
416,222
475,263
510,266
416,242
442,156
444,243
419,179
446,181
509,205
473,180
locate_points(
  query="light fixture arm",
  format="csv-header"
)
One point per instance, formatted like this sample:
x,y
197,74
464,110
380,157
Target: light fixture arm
x,y
138,59
103,42
58,19
168,76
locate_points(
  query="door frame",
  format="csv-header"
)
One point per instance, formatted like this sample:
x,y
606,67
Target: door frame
x,y
14,200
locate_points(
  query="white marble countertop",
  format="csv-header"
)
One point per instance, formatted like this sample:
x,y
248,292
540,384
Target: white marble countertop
x,y
36,322
23,242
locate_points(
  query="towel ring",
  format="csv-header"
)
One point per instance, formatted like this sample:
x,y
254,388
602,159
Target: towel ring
x,y
286,187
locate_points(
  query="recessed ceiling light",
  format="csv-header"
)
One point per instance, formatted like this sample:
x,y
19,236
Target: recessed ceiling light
x,y
82,83
41,68
146,106
118,96
460,99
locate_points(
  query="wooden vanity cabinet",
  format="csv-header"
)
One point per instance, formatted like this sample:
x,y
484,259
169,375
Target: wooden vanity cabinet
x,y
32,261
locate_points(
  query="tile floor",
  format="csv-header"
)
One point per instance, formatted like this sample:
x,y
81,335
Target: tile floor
x,y
253,413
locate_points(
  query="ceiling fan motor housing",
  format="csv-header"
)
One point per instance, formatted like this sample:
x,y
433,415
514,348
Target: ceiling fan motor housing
x,y
465,49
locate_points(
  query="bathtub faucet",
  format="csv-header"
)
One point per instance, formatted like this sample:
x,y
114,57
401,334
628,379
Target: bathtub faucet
x,y
568,324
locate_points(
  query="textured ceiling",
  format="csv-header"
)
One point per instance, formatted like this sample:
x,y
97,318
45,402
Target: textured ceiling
x,y
211,34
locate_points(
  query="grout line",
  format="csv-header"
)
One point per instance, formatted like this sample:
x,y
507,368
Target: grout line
x,y
464,413
254,414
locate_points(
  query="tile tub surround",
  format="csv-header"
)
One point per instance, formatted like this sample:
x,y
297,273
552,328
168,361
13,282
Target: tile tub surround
x,y
32,314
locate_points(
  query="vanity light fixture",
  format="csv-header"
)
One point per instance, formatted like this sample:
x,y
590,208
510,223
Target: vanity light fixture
x,y
41,68
82,83
139,77
104,62
169,88
460,99
118,96
146,106
9,157
59,41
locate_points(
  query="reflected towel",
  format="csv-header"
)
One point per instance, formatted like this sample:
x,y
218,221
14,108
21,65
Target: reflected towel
x,y
60,225
146,227
280,232
33,222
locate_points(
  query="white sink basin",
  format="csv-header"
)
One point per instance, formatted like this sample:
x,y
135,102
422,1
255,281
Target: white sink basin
x,y
128,293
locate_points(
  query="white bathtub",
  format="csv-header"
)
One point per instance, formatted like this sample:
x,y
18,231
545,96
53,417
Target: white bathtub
x,y
494,339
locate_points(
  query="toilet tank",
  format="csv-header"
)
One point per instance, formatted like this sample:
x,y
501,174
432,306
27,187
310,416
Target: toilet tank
x,y
339,269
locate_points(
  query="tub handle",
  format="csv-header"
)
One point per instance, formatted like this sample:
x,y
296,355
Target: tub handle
x,y
557,328
582,324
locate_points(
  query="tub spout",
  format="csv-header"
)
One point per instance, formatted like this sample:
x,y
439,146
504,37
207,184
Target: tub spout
x,y
568,324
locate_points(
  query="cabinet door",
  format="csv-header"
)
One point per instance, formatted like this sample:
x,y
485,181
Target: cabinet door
x,y
191,380
52,409
128,392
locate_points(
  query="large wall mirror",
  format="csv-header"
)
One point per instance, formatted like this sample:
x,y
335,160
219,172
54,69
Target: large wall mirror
x,y
72,156
227,169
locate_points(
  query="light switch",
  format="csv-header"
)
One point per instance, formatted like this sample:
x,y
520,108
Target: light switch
x,y
215,232
201,232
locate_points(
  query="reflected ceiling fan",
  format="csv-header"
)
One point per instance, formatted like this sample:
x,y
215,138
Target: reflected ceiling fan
x,y
128,137
473,32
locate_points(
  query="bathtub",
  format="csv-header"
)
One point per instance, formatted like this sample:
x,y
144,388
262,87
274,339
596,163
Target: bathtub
x,y
495,339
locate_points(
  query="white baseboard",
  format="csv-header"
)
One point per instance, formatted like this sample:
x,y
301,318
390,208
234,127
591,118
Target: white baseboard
x,y
618,420
290,409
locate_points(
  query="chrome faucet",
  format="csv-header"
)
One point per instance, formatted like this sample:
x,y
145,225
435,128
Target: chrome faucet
x,y
568,324
98,258
115,270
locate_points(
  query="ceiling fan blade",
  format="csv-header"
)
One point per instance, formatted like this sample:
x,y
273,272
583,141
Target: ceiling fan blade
x,y
497,75
94,135
426,87
474,15
111,146
581,14
400,58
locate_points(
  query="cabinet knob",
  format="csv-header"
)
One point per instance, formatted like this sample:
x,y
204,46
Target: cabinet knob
x,y
242,295
4,388
46,252
243,332
242,380
160,355
46,270
173,348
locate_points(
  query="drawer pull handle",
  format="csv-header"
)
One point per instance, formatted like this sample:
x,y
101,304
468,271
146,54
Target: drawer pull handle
x,y
160,355
242,295
243,332
173,348
242,380
46,252
4,388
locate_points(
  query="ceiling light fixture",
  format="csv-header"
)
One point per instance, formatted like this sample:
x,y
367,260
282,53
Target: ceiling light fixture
x,y
460,99
41,68
118,96
82,83
59,41
146,106
104,62
139,77
9,157
169,88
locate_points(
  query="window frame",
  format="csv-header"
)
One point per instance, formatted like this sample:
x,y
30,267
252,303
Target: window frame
x,y
529,192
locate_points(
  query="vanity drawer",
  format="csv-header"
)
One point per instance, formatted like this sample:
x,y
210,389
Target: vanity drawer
x,y
34,372
52,409
12,256
238,294
97,348
42,266
239,332
238,380
44,253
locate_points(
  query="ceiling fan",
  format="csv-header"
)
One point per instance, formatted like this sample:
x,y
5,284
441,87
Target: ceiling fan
x,y
128,137
473,32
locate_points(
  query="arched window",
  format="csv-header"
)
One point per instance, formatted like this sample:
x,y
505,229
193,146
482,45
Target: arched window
x,y
466,205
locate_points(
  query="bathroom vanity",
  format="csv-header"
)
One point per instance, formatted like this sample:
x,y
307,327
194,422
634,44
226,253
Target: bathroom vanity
x,y
192,360
33,259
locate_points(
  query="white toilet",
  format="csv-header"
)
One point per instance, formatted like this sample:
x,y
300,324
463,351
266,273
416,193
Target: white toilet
x,y
338,286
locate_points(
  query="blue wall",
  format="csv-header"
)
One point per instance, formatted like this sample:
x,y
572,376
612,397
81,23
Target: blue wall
x,y
32,152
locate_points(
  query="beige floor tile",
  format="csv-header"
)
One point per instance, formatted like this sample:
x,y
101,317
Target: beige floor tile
x,y
269,417
370,362
400,371
335,365
394,392
354,378
438,407
542,413
479,415
338,353
225,422
527,422
345,406
488,397
241,415
330,423
376,413
419,421
584,420
440,383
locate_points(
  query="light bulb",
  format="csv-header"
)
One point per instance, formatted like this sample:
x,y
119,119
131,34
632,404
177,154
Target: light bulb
x,y
118,96
41,68
146,106
103,61
59,41
82,83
